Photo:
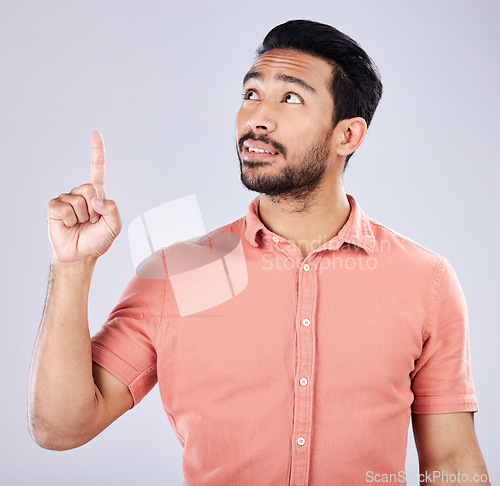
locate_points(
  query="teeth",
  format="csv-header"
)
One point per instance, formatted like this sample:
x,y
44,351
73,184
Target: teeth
x,y
258,151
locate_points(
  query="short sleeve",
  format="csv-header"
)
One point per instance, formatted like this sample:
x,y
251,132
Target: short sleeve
x,y
125,344
441,380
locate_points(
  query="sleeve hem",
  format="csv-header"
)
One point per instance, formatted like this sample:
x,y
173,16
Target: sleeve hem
x,y
123,371
465,403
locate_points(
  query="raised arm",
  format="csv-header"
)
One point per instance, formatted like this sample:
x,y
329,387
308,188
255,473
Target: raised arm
x,y
72,399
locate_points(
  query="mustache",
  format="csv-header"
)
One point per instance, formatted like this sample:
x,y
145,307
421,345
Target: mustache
x,y
262,138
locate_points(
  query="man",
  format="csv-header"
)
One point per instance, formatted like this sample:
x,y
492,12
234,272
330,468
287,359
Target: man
x,y
335,331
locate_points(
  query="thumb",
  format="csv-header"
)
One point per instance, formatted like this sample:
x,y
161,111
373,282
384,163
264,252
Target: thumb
x,y
108,210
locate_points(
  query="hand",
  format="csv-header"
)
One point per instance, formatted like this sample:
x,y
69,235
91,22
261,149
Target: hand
x,y
83,223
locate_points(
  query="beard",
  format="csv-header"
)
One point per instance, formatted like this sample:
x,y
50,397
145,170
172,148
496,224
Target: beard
x,y
297,180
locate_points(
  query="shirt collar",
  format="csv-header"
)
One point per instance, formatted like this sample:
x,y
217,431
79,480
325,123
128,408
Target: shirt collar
x,y
356,230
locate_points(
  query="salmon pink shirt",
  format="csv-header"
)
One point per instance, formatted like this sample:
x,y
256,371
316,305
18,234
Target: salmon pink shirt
x,y
276,369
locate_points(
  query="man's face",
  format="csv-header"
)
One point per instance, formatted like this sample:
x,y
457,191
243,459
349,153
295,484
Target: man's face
x,y
284,125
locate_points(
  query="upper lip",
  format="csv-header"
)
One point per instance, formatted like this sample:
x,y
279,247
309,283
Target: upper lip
x,y
257,144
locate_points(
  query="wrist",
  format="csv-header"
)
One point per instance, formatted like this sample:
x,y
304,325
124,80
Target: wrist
x,y
76,271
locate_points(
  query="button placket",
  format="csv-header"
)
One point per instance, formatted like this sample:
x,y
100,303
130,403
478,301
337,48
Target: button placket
x,y
306,299
283,247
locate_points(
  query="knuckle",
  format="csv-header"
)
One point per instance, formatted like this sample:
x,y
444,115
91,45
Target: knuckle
x,y
79,202
52,203
113,208
66,210
55,204
88,191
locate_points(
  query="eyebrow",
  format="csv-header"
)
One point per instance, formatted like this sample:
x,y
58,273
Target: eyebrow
x,y
280,77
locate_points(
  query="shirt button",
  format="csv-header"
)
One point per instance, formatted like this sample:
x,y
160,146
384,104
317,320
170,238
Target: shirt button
x,y
306,267
306,322
303,381
275,239
301,441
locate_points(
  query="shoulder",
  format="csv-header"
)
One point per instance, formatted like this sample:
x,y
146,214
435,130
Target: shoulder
x,y
400,243
236,227
186,255
409,256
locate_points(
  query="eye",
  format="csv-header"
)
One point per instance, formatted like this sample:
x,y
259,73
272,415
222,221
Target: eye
x,y
292,98
250,94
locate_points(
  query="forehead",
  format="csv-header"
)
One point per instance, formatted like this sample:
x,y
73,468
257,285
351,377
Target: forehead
x,y
314,70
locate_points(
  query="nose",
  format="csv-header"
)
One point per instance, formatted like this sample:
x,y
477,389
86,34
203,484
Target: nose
x,y
262,118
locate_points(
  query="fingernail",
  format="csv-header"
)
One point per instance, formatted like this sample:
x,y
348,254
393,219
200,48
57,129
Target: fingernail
x,y
98,201
94,219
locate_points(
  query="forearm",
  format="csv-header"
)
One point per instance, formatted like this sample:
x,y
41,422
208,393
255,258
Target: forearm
x,y
467,471
62,396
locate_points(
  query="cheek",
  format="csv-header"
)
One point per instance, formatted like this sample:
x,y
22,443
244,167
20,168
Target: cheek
x,y
298,135
316,130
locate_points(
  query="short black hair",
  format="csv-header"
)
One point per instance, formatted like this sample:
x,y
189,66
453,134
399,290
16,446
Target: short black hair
x,y
356,86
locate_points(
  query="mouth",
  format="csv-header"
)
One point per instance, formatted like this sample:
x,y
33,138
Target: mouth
x,y
257,150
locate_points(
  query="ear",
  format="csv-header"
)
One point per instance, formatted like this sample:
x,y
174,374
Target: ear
x,y
351,133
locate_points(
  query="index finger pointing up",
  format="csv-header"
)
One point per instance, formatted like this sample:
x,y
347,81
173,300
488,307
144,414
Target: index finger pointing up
x,y
97,165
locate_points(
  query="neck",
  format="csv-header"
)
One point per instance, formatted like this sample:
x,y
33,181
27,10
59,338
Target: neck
x,y
307,223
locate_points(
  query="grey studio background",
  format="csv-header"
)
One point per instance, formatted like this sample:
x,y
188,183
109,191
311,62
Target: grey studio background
x,y
162,81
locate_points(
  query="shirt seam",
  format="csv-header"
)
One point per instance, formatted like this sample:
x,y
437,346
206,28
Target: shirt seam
x,y
216,232
434,290
401,237
173,423
162,326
